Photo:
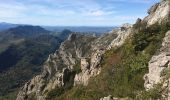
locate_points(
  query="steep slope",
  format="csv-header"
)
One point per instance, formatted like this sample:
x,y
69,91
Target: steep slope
x,y
19,34
89,68
20,37
23,60
27,31
68,61
5,26
158,76
16,53
159,70
158,13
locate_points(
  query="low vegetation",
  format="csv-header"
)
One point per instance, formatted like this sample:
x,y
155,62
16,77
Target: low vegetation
x,y
123,68
23,61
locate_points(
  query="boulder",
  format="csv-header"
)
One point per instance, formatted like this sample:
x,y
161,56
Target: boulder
x,y
158,64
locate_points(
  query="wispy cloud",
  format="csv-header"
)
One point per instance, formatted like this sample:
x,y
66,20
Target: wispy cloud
x,y
133,1
72,12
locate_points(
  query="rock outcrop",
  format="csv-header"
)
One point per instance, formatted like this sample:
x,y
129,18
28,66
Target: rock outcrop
x,y
158,64
57,68
100,46
78,50
158,13
85,52
124,32
89,70
108,98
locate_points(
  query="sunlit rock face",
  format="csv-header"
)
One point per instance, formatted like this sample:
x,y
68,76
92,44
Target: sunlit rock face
x,y
91,66
85,52
158,64
123,33
158,13
108,98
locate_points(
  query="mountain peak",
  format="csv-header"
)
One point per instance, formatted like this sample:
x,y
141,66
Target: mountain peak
x,y
158,13
27,30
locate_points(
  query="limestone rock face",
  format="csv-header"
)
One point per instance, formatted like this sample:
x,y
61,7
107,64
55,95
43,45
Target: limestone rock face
x,y
158,64
123,33
57,68
84,49
38,85
89,70
153,8
158,13
84,64
107,98
110,97
100,46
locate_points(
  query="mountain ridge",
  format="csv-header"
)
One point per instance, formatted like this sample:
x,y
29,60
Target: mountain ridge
x,y
80,61
23,55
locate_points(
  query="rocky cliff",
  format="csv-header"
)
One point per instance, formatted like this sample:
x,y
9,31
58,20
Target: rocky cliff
x,y
159,64
158,13
79,58
79,53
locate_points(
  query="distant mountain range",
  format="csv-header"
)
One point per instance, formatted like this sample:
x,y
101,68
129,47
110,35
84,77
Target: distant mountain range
x,y
84,29
4,25
23,49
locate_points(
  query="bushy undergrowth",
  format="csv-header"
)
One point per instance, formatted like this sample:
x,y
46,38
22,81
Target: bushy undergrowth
x,y
19,63
123,68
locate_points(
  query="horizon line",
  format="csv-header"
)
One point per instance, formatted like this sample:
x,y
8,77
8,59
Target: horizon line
x,y
61,25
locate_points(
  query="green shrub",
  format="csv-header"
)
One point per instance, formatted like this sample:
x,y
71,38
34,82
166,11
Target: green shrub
x,y
152,94
77,67
55,92
123,68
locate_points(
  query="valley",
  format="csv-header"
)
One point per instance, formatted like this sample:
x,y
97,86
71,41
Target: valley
x,y
127,62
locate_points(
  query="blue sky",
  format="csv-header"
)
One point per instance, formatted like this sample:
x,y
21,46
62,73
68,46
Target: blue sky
x,y
73,12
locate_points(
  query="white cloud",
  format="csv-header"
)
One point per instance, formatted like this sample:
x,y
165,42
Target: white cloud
x,y
14,10
65,11
132,1
97,13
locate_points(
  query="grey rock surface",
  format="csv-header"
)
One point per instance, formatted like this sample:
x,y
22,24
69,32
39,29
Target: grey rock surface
x,y
158,65
158,13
